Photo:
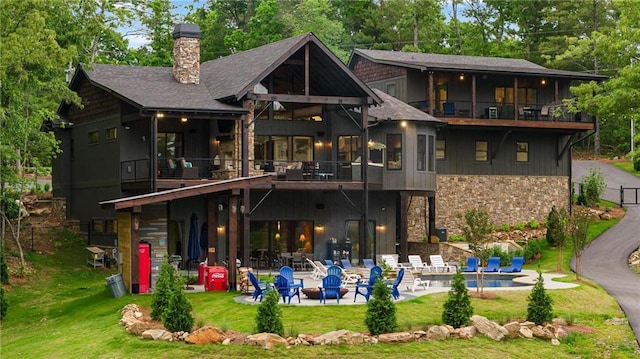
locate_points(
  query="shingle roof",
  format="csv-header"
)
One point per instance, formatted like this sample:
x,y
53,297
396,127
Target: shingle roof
x,y
396,110
155,88
424,62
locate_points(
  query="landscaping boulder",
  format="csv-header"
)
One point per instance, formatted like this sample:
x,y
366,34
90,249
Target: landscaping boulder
x,y
513,328
266,340
157,334
341,337
438,332
467,332
489,328
206,335
525,332
401,337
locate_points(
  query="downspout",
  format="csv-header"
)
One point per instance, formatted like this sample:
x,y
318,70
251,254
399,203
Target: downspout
x,y
154,153
364,226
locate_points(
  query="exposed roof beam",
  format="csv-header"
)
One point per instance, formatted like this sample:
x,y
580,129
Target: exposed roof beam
x,y
325,100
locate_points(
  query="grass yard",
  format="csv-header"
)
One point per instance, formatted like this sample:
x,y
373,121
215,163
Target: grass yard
x,y
627,166
66,310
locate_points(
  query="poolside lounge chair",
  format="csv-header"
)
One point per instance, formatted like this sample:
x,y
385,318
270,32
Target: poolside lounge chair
x,y
472,265
317,272
286,290
394,287
493,265
287,272
368,263
413,283
417,263
390,261
346,264
516,266
438,264
328,262
260,288
330,288
365,288
346,278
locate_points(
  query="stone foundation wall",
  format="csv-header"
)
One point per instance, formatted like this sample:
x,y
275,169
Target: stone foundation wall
x,y
508,199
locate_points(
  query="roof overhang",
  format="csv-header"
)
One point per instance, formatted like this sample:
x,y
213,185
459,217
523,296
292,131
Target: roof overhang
x,y
186,192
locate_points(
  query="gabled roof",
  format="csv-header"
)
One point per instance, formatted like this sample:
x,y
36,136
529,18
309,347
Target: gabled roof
x,y
153,89
393,109
424,62
231,77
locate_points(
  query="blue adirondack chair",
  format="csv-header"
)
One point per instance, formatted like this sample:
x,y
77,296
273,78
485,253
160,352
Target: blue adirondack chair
x,y
394,287
472,265
366,288
287,272
334,270
283,287
260,288
330,288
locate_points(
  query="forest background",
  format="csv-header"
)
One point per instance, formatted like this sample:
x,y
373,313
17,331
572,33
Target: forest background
x,y
43,41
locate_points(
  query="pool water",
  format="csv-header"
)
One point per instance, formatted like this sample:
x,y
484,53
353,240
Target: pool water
x,y
490,280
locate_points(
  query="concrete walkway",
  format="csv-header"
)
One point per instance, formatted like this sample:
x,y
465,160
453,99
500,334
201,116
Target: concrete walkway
x,y
605,260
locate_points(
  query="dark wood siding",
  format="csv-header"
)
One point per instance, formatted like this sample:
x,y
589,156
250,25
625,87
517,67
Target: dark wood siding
x,y
543,151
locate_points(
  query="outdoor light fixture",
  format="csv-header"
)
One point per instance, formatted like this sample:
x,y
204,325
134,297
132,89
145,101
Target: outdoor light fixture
x,y
461,77
184,119
544,81
159,115
403,123
221,230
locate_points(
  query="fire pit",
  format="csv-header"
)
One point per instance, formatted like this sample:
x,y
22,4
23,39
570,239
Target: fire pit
x,y
314,293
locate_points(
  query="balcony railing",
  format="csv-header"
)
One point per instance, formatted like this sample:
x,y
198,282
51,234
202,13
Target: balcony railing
x,y
214,169
504,111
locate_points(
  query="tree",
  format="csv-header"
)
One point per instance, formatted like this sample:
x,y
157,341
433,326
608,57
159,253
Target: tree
x,y
157,23
556,223
4,304
539,309
577,231
269,316
177,317
476,230
381,311
162,292
457,309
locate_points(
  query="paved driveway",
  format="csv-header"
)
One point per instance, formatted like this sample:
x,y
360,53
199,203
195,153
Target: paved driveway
x,y
605,258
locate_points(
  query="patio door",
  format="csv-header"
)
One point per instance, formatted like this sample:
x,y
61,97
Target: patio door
x,y
352,232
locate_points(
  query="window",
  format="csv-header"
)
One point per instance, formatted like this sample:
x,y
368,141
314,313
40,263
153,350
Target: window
x,y
348,148
527,96
522,151
441,149
283,148
421,153
94,137
111,133
431,159
394,151
391,89
170,145
482,150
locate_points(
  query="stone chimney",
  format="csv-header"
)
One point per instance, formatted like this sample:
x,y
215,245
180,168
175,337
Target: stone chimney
x,y
186,53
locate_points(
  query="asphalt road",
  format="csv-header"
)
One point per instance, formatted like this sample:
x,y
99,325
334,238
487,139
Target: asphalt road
x,y
605,260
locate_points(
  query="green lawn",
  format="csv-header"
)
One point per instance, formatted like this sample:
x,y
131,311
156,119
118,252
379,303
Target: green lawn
x,y
627,166
66,310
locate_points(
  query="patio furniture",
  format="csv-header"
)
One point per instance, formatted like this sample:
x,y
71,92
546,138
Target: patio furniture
x,y
493,265
394,287
365,289
286,290
328,262
516,266
417,263
260,288
287,272
330,288
314,292
414,282
297,261
472,265
368,263
438,264
346,277
316,271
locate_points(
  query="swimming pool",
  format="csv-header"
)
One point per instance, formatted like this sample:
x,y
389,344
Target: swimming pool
x,y
491,280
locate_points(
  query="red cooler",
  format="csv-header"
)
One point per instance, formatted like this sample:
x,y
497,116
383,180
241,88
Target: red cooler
x,y
217,278
203,272
144,267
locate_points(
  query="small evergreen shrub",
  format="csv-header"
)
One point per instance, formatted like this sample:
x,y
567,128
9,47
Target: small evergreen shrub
x,y
556,221
269,316
162,292
539,309
457,309
177,317
381,311
4,269
4,304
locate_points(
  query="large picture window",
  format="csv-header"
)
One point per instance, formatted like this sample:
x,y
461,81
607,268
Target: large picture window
x,y
348,148
394,151
170,145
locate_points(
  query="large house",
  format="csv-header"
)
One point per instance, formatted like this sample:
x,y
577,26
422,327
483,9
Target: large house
x,y
258,156
507,144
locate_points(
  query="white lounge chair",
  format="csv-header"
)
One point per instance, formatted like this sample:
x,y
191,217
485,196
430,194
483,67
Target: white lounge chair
x,y
413,283
390,261
417,264
438,264
317,272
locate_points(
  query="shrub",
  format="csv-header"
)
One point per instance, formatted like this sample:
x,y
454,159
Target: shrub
x,y
556,221
4,269
162,293
381,311
505,227
177,317
457,309
533,224
532,248
539,309
519,226
636,160
496,251
456,238
269,316
4,304
593,186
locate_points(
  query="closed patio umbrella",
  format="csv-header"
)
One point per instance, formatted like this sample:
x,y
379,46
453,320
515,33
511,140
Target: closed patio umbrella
x,y
204,239
194,243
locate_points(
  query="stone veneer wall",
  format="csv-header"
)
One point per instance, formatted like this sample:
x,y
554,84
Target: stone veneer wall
x,y
186,60
508,199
